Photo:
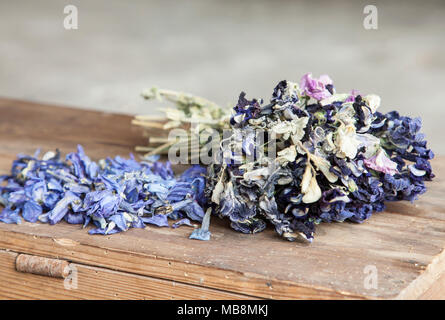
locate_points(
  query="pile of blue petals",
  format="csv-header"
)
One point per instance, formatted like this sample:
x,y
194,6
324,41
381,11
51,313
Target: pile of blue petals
x,y
112,194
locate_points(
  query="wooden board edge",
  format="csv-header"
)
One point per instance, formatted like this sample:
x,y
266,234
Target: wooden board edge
x,y
427,281
249,284
7,101
86,282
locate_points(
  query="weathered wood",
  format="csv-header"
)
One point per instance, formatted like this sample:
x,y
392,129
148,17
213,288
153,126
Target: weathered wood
x,y
96,283
405,243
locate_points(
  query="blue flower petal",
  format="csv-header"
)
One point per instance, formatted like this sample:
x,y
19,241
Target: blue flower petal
x,y
10,216
74,218
159,220
61,208
181,222
31,211
119,220
203,233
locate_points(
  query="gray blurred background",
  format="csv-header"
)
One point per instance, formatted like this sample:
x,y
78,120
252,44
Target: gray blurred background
x,y
216,49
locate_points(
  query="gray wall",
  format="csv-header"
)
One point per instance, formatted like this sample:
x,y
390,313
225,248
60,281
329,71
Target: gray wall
x,y
217,49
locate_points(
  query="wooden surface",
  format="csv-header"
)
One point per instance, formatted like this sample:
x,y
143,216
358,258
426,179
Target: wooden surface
x,y
97,283
405,243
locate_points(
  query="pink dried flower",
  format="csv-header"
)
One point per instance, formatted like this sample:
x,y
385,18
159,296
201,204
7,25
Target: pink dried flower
x,y
316,88
380,162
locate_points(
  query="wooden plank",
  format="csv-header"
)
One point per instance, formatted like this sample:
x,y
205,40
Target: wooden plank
x,y
24,127
96,283
435,292
405,243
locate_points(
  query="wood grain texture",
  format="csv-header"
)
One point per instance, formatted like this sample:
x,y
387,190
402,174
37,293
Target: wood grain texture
x,y
405,243
96,283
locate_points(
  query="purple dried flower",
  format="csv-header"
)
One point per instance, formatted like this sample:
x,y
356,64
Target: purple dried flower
x,y
338,160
